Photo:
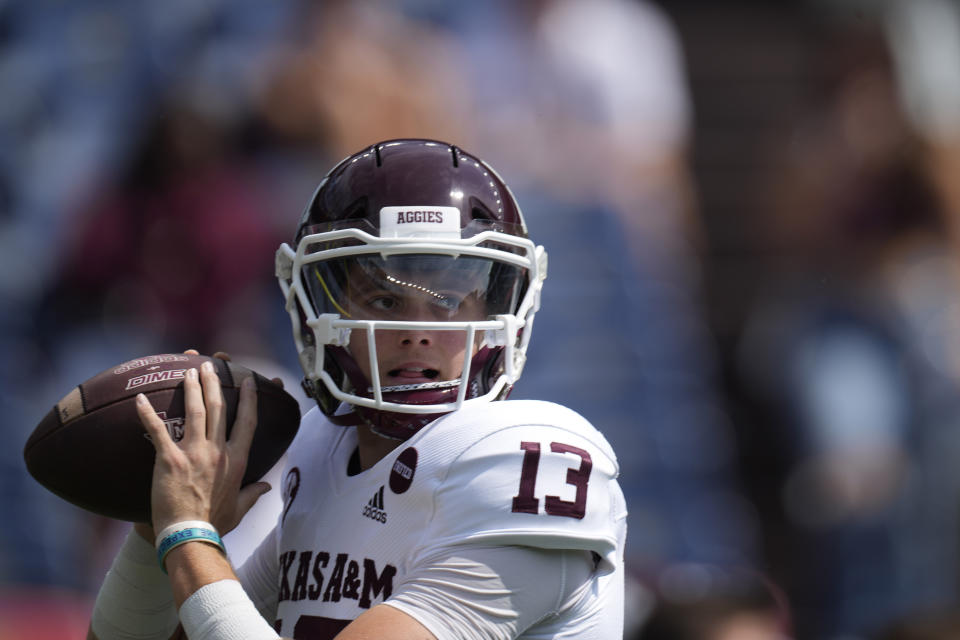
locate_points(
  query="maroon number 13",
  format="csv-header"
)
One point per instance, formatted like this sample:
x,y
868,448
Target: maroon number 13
x,y
525,502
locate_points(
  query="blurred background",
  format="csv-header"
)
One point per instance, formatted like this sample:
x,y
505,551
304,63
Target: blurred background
x,y
752,211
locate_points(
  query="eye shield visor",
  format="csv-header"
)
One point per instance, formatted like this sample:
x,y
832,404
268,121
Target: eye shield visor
x,y
423,287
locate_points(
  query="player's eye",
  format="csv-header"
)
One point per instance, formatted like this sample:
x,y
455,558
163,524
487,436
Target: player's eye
x,y
449,302
383,303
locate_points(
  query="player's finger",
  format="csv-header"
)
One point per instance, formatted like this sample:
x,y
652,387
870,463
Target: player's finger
x,y
277,381
222,355
213,400
155,427
191,352
241,436
195,425
249,495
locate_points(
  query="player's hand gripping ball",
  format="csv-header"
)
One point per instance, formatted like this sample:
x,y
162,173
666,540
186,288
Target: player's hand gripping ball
x,y
92,450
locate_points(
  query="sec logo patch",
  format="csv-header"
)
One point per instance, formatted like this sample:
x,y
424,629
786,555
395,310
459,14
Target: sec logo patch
x,y
401,475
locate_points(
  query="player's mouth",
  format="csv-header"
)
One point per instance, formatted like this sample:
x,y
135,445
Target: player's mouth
x,y
413,374
414,377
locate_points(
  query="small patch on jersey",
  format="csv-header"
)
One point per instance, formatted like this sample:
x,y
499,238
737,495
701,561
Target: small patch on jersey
x,y
291,485
401,475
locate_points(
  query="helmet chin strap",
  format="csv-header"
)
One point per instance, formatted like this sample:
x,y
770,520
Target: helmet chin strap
x,y
421,386
380,422
354,418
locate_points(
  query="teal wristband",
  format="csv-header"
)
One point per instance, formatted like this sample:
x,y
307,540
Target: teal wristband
x,y
190,534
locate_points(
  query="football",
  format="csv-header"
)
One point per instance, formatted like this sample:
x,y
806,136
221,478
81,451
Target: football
x,y
92,451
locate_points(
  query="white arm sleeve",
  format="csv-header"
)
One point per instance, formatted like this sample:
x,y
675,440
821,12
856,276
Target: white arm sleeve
x,y
223,611
496,592
135,601
229,609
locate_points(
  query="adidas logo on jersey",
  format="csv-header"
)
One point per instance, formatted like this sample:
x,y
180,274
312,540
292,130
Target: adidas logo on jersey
x,y
374,507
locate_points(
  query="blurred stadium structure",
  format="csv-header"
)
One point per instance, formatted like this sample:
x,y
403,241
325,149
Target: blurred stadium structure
x,y
750,211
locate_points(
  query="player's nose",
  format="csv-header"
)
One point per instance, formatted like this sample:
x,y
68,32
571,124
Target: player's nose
x,y
410,337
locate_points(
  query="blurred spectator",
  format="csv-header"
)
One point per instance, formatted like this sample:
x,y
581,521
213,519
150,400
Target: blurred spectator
x,y
362,72
938,625
181,248
43,614
925,38
176,254
81,80
849,354
745,609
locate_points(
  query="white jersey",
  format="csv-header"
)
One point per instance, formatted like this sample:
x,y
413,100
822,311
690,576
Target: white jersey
x,y
518,473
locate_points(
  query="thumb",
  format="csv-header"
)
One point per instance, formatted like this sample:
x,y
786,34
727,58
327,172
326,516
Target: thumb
x,y
249,496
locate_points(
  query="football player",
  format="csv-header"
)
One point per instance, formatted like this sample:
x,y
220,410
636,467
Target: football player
x,y
419,503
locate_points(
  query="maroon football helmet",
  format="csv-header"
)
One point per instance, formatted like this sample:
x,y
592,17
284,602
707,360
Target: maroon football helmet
x,y
408,236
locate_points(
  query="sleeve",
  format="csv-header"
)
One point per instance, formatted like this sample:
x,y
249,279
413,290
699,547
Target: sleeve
x,y
538,486
258,576
135,599
487,593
